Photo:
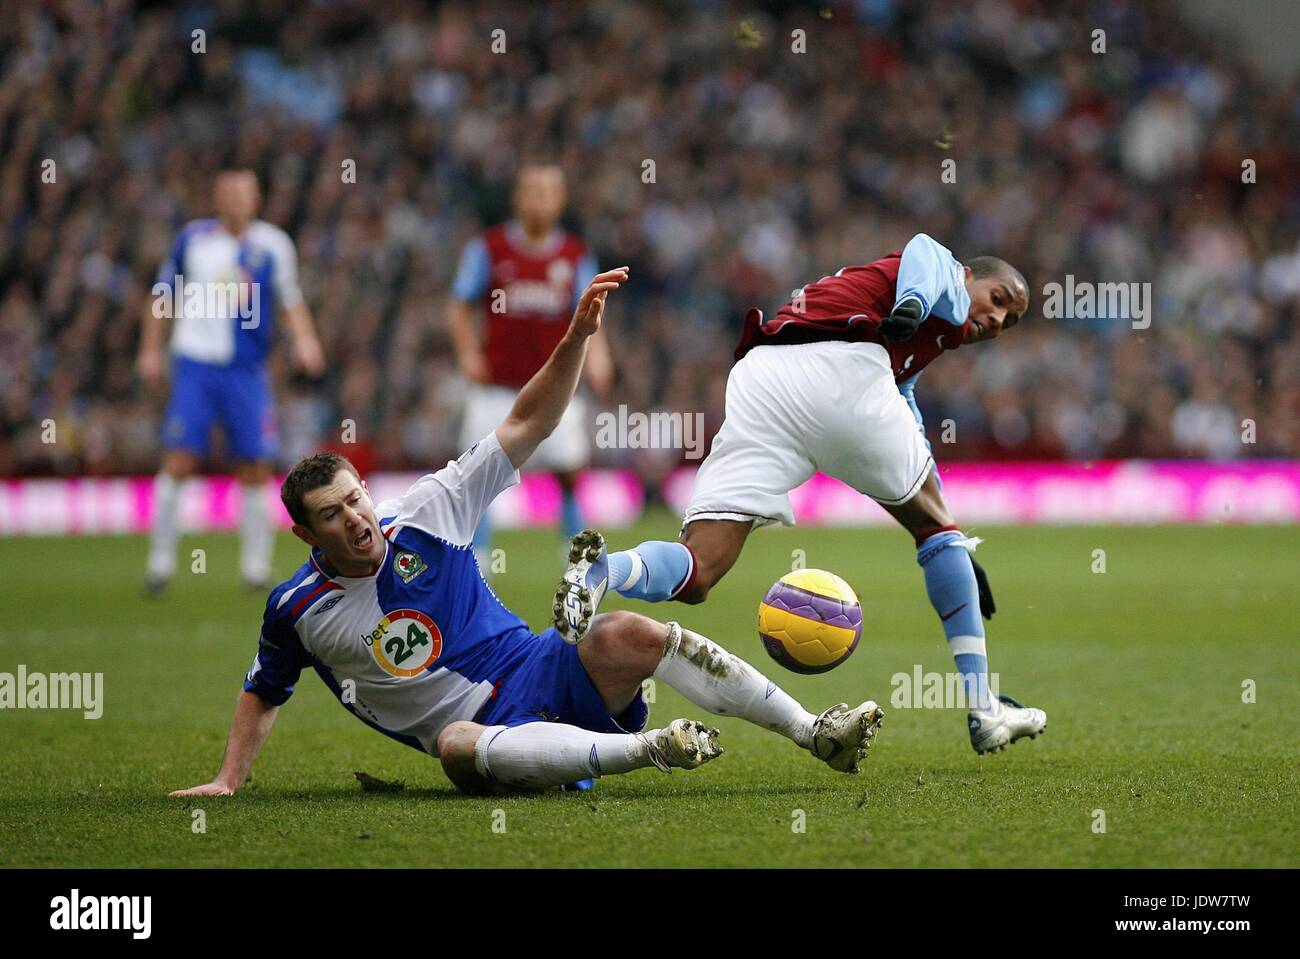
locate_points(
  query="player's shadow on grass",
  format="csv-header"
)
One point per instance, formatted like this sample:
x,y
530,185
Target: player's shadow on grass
x,y
445,792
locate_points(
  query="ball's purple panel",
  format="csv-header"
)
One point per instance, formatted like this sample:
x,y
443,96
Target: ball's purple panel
x,y
828,610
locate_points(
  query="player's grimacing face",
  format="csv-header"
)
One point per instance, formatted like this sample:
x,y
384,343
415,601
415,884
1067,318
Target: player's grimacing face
x,y
540,197
996,305
343,525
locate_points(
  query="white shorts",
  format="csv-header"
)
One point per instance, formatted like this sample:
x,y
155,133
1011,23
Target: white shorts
x,y
566,449
792,410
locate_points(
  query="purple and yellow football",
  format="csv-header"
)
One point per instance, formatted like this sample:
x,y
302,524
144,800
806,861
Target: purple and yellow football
x,y
810,621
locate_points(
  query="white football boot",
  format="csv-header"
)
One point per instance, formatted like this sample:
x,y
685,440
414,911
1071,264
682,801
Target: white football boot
x,y
996,728
684,744
842,736
586,577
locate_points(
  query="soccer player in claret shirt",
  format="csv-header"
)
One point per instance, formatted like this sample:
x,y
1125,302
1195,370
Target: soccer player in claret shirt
x,y
392,612
827,384
243,269
525,277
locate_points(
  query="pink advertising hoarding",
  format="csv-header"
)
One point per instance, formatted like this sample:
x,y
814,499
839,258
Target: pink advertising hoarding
x,y
1125,493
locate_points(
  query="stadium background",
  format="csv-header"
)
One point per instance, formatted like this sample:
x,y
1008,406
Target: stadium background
x,y
1166,655
772,168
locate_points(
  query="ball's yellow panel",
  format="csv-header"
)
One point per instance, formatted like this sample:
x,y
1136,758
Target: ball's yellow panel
x,y
822,583
808,641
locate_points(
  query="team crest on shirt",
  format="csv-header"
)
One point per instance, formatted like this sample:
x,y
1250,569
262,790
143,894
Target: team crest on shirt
x,y
405,643
409,565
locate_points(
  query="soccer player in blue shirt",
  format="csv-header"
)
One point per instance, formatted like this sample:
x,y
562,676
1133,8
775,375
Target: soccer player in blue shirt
x,y
393,613
221,285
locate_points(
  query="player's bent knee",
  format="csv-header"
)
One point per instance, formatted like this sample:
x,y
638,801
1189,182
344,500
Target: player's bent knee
x,y
457,740
625,644
622,634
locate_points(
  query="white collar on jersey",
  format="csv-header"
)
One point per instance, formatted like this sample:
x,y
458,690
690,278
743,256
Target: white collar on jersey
x,y
322,567
546,246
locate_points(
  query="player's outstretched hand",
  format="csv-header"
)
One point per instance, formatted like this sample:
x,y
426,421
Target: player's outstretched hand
x,y
208,789
987,606
903,322
586,318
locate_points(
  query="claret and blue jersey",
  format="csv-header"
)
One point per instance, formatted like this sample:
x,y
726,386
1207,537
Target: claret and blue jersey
x,y
851,303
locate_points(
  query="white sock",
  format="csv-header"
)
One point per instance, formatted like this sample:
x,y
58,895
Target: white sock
x,y
254,535
726,685
164,535
552,754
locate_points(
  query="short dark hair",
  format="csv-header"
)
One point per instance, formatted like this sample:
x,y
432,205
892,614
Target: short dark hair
x,y
308,474
982,267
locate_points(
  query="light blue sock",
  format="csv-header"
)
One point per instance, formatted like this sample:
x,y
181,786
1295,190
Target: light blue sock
x,y
653,571
571,515
954,594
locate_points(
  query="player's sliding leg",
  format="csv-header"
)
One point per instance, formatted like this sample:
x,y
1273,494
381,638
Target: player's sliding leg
x,y
624,648
726,685
540,755
256,540
943,552
653,571
164,534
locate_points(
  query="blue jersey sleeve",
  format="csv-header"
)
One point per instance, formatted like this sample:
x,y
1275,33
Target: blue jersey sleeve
x,y
280,657
473,272
587,270
929,272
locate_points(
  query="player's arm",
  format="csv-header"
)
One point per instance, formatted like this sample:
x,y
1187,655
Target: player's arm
x,y
254,717
303,341
599,372
473,274
307,350
544,398
151,362
926,274
465,341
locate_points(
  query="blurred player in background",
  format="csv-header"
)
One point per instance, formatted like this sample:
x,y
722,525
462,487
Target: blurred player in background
x,y
226,276
525,276
827,384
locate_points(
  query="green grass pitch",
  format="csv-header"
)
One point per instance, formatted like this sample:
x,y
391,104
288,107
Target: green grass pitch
x,y
1141,669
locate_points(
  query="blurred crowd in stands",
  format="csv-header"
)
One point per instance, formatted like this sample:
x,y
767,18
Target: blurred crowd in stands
x,y
770,166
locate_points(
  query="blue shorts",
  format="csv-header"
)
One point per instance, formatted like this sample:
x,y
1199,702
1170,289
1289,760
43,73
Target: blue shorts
x,y
550,684
238,398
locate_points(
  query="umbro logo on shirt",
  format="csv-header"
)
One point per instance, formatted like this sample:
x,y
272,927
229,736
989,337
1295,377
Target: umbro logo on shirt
x,y
327,605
